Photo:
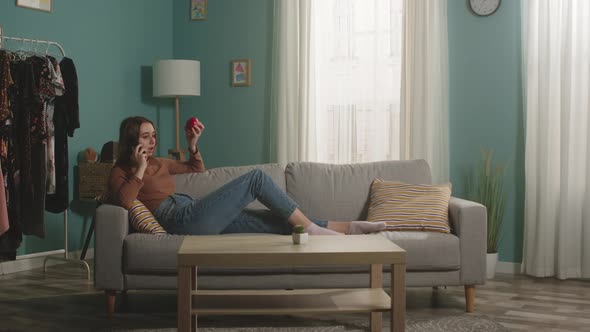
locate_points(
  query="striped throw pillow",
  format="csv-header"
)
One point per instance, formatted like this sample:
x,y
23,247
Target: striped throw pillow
x,y
142,220
410,207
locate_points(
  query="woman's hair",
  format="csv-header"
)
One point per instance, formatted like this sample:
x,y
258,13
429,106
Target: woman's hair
x,y
129,138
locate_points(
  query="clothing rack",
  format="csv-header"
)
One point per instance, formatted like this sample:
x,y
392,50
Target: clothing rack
x,y
36,41
66,257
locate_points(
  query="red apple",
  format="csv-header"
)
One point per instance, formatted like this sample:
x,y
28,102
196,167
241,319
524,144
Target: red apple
x,y
191,123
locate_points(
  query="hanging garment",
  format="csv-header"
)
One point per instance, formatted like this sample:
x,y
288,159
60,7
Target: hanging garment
x,y
65,120
10,156
68,71
5,83
58,90
24,103
35,173
4,223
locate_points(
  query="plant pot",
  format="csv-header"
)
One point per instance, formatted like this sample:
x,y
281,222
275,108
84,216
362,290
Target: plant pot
x,y
491,260
300,238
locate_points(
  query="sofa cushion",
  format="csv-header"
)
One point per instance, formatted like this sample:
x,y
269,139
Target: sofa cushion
x,y
142,220
341,192
200,184
410,207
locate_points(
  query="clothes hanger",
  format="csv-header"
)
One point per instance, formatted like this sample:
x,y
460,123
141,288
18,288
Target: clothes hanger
x,y
22,52
28,52
14,55
33,48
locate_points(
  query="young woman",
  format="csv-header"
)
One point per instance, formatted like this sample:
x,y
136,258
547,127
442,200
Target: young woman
x,y
139,175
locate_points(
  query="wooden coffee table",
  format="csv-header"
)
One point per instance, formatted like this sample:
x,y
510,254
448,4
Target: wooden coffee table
x,y
264,250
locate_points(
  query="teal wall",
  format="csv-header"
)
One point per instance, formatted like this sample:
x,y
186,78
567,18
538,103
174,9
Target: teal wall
x,y
485,105
236,118
113,44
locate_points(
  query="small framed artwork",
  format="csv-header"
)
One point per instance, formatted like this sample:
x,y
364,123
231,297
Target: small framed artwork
x,y
198,10
241,72
43,5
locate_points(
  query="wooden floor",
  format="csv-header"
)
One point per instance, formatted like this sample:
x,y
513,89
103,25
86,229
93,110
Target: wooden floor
x,y
63,300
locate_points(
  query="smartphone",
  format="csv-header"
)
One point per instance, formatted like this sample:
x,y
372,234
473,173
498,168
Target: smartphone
x,y
131,145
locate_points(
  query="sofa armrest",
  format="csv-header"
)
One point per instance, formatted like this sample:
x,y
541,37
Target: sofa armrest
x,y
469,222
111,228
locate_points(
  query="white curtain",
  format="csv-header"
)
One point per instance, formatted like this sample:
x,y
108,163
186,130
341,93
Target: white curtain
x,y
425,86
337,80
556,63
291,136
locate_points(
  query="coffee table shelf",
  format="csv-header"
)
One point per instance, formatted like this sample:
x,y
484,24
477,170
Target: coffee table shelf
x,y
278,250
281,302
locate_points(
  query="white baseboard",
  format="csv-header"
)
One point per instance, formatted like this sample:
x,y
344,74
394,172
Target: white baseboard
x,y
508,267
35,261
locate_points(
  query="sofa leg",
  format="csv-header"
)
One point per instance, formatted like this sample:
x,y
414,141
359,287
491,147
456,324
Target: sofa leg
x,y
469,298
110,296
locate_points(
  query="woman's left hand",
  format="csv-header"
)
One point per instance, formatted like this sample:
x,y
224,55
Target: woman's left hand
x,y
192,136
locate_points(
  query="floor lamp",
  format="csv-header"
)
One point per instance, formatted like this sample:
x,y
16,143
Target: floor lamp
x,y
177,78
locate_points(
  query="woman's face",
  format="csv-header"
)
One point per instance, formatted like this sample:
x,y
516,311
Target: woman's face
x,y
147,138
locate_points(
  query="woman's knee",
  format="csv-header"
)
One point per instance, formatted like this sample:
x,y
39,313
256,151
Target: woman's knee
x,y
258,174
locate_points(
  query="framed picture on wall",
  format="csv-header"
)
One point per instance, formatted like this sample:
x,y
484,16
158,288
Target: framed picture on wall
x,y
198,10
43,5
241,72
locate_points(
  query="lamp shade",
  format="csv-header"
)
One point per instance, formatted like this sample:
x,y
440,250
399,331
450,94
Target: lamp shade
x,y
174,78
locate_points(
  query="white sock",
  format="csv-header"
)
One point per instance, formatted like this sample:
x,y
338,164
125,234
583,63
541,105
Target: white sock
x,y
364,227
314,229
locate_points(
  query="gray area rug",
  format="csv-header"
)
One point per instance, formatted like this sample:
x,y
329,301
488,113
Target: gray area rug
x,y
314,324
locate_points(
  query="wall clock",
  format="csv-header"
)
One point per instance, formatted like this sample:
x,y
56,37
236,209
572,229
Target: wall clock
x,y
484,7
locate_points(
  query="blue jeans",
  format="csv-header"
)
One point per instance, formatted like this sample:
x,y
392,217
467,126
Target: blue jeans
x,y
223,211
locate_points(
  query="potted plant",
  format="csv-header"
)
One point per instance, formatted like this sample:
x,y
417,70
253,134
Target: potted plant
x,y
299,235
486,187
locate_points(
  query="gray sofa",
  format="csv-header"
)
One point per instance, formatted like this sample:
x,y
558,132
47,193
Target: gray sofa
x,y
125,260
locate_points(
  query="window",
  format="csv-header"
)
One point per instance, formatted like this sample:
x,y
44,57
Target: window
x,y
356,74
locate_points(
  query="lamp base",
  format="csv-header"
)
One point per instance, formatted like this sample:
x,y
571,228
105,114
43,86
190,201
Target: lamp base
x,y
177,154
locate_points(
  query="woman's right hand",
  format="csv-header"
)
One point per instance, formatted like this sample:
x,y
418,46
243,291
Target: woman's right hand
x,y
140,156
